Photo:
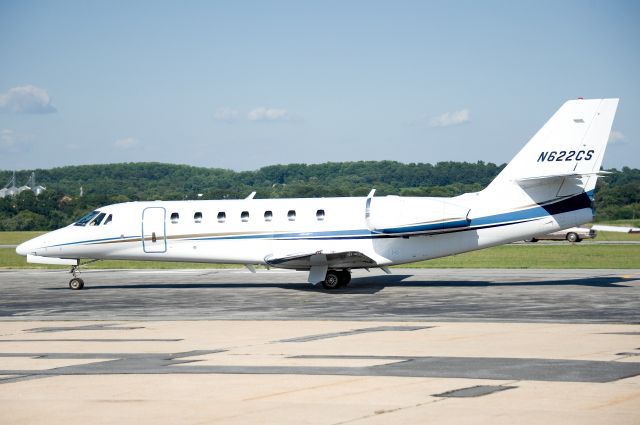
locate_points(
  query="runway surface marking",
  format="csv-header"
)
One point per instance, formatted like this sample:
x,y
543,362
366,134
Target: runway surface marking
x,y
446,346
324,372
353,332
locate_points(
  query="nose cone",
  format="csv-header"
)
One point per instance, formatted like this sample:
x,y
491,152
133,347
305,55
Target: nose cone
x,y
30,246
23,248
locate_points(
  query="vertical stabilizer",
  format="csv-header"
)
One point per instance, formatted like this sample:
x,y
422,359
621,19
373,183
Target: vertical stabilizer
x,y
571,145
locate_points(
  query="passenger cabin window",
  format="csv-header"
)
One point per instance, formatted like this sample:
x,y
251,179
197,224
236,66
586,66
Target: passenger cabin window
x,y
268,215
244,216
96,221
175,217
86,218
197,217
320,215
108,220
222,217
291,215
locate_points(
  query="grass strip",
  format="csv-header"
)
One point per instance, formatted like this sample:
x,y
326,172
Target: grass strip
x,y
15,238
541,256
522,256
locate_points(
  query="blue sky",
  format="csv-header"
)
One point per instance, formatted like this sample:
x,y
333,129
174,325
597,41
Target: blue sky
x,y
245,84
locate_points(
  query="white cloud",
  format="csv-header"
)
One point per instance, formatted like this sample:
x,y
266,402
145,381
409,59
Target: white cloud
x,y
226,114
7,139
616,138
268,114
126,143
450,118
12,142
26,100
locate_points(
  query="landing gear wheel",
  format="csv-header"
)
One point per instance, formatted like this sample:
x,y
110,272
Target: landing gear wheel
x,y
345,277
573,237
76,283
331,280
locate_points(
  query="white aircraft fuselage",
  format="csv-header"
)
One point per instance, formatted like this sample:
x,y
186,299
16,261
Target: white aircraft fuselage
x,y
536,193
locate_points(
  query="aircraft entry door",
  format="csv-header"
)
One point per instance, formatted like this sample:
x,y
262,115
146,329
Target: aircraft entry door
x,y
154,237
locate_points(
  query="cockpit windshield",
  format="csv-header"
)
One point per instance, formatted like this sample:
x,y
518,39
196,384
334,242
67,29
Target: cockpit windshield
x,y
96,221
86,218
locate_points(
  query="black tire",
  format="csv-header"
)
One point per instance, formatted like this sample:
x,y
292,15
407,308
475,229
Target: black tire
x,y
331,280
76,284
345,277
573,237
532,240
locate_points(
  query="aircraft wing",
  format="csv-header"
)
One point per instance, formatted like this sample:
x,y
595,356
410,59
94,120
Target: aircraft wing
x,y
319,262
334,260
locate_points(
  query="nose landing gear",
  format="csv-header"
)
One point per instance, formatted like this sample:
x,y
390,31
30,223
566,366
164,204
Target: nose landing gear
x,y
76,283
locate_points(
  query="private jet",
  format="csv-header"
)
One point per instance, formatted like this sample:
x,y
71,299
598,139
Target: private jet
x,y
548,186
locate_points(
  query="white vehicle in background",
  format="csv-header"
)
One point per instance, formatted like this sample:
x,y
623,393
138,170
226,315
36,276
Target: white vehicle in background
x,y
573,234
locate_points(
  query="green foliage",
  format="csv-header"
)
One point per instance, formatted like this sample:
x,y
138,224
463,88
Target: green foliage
x,y
617,197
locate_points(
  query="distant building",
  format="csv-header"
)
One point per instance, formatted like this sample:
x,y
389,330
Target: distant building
x,y
31,183
10,189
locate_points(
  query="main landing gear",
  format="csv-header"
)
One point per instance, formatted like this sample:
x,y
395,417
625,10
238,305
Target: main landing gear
x,y
335,279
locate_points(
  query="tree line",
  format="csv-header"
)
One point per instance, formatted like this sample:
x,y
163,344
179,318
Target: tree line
x,y
617,196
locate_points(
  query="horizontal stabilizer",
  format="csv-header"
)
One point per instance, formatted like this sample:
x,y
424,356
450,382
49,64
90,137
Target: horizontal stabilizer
x,y
560,176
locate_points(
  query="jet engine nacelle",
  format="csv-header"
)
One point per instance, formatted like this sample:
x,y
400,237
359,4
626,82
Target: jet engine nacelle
x,y
395,214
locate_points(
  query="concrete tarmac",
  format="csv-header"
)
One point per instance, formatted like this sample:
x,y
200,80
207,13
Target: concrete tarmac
x,y
231,347
574,296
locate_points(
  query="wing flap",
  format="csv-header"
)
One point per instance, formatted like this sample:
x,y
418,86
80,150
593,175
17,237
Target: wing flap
x,y
336,260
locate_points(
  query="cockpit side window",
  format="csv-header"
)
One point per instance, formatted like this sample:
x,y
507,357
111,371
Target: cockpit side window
x,y
96,221
86,218
108,220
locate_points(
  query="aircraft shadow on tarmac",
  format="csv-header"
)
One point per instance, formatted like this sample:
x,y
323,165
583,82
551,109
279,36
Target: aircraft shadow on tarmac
x,y
373,284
